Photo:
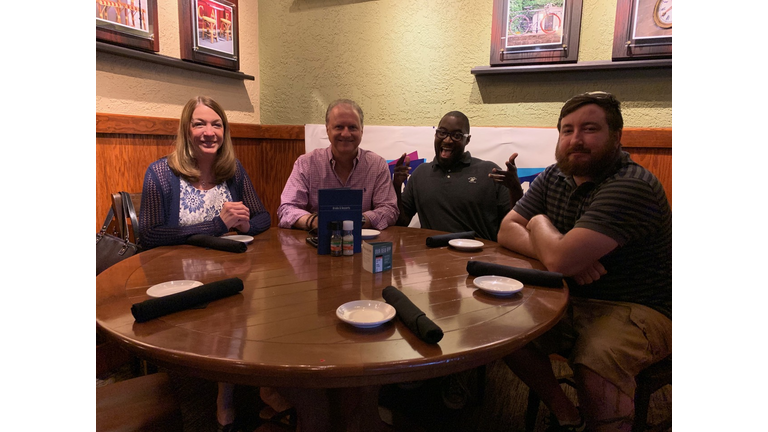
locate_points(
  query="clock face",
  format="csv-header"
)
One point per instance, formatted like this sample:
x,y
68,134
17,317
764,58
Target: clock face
x,y
662,13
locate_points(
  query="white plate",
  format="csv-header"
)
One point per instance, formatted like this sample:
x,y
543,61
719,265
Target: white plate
x,y
498,285
171,287
466,244
368,234
241,238
365,313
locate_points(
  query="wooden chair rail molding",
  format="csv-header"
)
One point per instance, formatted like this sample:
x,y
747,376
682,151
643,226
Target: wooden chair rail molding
x,y
126,145
137,125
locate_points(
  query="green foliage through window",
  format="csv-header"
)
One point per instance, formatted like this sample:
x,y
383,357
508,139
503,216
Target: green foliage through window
x,y
518,6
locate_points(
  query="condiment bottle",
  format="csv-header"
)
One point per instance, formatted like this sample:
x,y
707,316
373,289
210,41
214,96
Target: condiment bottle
x,y
336,239
348,239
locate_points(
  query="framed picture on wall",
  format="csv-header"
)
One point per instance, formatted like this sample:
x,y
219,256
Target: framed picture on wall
x,y
535,32
643,30
209,32
129,23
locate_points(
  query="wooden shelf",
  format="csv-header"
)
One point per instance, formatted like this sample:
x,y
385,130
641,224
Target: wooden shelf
x,y
168,61
574,67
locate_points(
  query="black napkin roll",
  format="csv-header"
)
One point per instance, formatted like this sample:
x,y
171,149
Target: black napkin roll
x,y
441,240
157,307
412,316
218,243
524,275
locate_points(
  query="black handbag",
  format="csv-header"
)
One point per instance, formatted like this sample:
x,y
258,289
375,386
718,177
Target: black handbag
x,y
113,247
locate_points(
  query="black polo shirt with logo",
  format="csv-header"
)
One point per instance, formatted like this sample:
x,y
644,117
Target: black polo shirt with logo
x,y
462,198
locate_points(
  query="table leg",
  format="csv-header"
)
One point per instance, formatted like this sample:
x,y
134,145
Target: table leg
x,y
313,408
353,409
358,409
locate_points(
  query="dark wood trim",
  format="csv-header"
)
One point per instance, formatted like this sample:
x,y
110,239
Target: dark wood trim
x,y
169,61
283,132
141,125
582,67
647,138
128,124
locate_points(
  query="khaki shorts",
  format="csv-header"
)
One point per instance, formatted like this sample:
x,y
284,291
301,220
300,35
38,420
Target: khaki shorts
x,y
616,340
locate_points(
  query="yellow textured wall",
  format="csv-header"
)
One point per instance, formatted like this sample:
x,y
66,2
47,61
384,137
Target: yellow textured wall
x,y
136,87
408,62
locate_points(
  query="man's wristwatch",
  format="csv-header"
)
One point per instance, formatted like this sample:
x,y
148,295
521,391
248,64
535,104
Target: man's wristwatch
x,y
364,220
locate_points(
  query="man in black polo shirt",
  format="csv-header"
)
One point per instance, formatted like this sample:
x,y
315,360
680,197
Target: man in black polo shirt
x,y
604,222
456,192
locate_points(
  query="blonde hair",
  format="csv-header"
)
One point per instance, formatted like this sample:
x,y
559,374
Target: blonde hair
x,y
182,160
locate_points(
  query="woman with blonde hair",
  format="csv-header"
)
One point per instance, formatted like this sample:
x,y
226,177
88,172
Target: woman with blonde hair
x,y
200,188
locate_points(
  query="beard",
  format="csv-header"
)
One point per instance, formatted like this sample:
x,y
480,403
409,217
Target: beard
x,y
601,159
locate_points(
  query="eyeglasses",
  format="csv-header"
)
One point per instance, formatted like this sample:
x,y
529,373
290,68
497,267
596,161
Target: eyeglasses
x,y
455,136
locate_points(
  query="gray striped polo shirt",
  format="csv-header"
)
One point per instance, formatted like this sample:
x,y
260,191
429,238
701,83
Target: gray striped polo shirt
x,y
627,204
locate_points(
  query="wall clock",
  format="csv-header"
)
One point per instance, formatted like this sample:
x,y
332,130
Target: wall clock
x,y
662,13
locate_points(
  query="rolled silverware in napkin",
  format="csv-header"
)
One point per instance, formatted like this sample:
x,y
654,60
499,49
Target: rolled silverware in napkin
x,y
441,240
526,276
157,307
412,316
218,243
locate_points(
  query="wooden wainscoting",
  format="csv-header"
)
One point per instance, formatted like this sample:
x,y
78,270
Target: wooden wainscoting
x,y
126,145
652,148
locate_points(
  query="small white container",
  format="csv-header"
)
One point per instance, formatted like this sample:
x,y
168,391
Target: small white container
x,y
348,238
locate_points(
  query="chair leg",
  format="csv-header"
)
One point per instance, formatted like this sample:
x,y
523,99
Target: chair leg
x,y
481,372
532,411
649,381
642,399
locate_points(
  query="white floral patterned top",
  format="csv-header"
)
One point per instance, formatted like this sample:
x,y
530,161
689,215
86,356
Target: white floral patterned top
x,y
197,205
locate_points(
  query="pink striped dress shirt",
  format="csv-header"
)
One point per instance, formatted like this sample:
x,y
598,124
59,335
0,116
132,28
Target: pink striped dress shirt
x,y
314,171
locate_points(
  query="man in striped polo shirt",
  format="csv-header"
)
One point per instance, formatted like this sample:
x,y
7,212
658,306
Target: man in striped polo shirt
x,y
604,222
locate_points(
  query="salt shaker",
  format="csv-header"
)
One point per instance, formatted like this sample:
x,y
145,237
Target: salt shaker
x,y
348,239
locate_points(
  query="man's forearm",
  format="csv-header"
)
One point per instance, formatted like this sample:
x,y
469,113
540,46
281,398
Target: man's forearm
x,y
570,254
516,237
514,195
544,238
302,223
402,217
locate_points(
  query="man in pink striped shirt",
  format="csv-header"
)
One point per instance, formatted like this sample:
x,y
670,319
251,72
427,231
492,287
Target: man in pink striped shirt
x,y
342,164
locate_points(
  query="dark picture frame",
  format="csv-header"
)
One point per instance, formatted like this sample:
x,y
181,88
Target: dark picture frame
x,y
128,23
208,32
643,30
549,34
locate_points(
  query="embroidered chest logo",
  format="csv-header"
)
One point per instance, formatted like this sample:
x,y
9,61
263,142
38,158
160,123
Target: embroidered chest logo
x,y
472,179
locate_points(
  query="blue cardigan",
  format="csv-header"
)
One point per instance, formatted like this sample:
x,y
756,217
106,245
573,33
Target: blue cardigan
x,y
159,213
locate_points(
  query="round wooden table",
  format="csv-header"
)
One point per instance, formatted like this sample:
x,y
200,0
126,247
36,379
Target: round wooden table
x,y
282,330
